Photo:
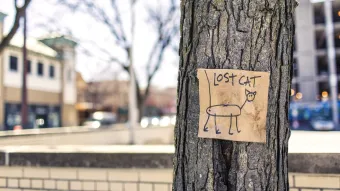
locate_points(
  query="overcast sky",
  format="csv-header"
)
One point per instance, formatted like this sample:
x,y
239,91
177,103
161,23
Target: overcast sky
x,y
91,34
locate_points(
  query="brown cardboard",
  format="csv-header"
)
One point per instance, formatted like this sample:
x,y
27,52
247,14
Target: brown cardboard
x,y
239,95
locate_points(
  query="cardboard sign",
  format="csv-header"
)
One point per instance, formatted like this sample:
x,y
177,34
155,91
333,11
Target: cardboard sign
x,y
233,104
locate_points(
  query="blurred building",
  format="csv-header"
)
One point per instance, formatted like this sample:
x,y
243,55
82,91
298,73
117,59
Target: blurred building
x,y
311,75
81,90
108,95
84,108
112,96
51,84
162,98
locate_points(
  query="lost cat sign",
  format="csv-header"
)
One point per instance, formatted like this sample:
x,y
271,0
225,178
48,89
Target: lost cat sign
x,y
233,104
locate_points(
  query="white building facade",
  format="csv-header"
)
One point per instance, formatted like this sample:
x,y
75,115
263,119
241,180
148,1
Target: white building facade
x,y
51,87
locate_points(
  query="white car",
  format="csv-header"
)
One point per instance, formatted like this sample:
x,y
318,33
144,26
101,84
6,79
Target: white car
x,y
323,125
158,121
100,119
149,121
92,124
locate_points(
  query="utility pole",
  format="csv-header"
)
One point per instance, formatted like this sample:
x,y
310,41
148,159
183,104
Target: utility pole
x,y
24,107
333,81
133,111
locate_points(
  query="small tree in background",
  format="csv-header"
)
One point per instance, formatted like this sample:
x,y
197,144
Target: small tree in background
x,y
162,18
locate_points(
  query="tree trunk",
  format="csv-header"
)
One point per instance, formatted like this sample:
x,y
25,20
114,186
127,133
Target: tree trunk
x,y
141,105
234,34
140,101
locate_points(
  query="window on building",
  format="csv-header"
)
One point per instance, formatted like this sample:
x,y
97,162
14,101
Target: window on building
x,y
29,66
338,90
13,63
51,71
324,89
40,69
322,65
319,13
337,38
338,65
295,89
336,11
295,68
320,39
296,86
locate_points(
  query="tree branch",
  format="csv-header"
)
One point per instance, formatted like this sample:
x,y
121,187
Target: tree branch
x,y
111,58
165,36
100,15
19,13
166,27
118,19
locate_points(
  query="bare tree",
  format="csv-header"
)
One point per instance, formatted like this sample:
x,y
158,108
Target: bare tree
x,y
20,11
163,21
246,35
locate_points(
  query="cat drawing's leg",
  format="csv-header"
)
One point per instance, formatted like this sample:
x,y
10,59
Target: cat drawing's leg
x,y
217,130
205,129
237,126
231,122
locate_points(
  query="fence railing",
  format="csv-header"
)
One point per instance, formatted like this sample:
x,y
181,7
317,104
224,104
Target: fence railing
x,y
314,182
48,184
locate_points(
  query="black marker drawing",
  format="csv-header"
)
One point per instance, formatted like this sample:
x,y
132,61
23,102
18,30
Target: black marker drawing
x,y
226,110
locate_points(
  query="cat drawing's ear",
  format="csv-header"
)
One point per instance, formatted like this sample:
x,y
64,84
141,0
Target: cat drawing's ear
x,y
254,93
247,92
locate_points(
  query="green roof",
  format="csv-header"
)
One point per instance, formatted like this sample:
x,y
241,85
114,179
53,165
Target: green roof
x,y
33,45
61,40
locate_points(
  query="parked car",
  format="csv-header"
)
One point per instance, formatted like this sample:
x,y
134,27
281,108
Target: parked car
x,y
158,121
149,121
100,119
323,125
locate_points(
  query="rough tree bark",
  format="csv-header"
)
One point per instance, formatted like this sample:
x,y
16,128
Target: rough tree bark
x,y
234,34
